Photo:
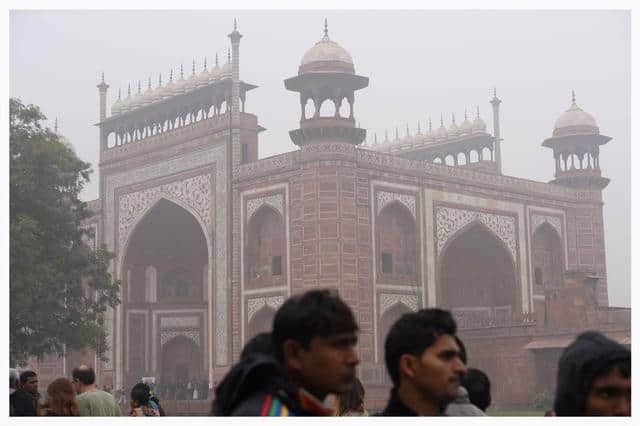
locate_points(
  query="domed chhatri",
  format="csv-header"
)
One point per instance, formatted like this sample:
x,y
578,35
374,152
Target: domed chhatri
x,y
575,121
326,56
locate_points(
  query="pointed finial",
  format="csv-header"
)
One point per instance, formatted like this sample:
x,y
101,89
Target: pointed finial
x,y
171,76
55,126
494,92
573,96
326,28
119,94
441,122
193,68
419,127
139,88
386,136
160,80
397,133
453,118
205,64
430,128
129,91
235,24
228,55
149,87
217,60
181,72
465,114
407,129
375,139
103,77
477,111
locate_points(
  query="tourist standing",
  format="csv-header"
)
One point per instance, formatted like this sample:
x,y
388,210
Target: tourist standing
x,y
25,399
91,400
61,399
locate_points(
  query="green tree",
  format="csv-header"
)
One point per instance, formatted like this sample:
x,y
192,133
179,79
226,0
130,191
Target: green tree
x,y
59,287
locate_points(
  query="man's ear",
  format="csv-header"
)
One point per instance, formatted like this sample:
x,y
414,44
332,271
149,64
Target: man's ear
x,y
291,350
407,365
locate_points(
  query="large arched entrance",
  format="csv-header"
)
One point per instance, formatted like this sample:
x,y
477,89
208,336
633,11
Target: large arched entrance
x,y
478,275
181,361
548,264
165,278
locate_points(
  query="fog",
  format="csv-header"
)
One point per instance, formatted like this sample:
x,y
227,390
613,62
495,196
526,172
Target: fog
x,y
421,65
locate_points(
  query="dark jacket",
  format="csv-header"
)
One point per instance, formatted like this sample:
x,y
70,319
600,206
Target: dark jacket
x,y
581,362
395,407
24,403
259,386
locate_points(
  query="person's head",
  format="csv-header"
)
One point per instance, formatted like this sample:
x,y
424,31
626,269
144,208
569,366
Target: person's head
x,y
478,386
314,336
352,400
422,355
140,395
258,344
62,398
594,378
83,377
14,378
29,381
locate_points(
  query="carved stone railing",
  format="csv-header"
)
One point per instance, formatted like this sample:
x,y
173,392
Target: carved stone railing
x,y
468,320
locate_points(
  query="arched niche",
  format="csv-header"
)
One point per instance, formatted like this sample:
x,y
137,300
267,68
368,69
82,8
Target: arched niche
x,y
260,322
265,254
397,246
171,241
327,108
477,273
548,259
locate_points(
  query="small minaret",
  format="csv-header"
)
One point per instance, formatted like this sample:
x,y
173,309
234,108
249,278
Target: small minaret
x,y
326,74
495,103
234,57
102,90
576,144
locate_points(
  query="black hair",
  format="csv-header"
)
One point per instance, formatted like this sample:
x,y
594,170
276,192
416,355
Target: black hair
x,y
412,334
84,374
258,344
140,394
622,365
24,376
316,313
478,386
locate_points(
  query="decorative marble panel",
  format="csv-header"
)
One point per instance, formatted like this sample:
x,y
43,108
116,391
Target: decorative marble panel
x,y
193,335
449,220
254,305
276,201
179,322
388,300
538,219
383,198
194,192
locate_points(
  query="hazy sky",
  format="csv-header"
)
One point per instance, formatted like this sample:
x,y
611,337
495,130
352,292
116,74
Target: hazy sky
x,y
420,64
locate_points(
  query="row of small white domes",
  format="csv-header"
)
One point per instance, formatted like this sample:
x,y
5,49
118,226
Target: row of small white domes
x,y
466,127
179,87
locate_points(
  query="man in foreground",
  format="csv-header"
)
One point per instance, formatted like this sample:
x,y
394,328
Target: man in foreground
x,y
423,361
594,378
24,401
91,400
313,343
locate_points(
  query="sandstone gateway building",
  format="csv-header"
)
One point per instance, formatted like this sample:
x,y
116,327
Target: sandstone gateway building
x,y
210,240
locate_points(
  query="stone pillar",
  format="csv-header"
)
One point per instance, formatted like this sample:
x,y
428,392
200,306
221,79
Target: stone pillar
x,y
102,88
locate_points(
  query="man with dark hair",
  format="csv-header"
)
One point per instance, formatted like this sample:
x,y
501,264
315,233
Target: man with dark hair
x,y
91,400
423,360
313,343
594,378
478,386
24,401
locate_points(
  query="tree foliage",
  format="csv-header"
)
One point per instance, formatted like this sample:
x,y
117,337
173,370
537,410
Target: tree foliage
x,y
59,287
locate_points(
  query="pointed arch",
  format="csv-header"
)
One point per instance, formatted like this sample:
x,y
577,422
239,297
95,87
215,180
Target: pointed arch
x,y
260,322
387,319
476,271
264,249
397,245
547,258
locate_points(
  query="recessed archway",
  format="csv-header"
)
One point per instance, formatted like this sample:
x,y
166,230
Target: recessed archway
x,y
548,264
264,254
477,273
260,322
388,318
397,246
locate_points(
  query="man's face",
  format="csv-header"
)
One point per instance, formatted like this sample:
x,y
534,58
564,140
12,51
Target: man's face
x,y
609,395
328,365
31,385
438,372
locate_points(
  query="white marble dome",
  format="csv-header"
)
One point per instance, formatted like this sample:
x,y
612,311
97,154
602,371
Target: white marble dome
x,y
326,50
573,118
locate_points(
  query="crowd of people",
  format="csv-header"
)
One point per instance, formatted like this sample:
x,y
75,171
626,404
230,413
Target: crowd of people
x,y
306,366
184,389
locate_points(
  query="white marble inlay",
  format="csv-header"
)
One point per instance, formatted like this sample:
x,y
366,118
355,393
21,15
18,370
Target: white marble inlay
x,y
385,197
